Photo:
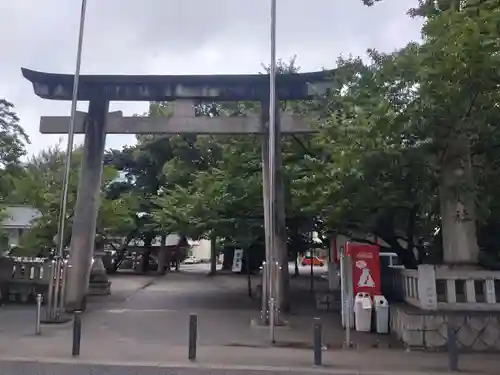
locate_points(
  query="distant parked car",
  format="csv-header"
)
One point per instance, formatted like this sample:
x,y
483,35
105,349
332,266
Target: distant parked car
x,y
191,260
307,260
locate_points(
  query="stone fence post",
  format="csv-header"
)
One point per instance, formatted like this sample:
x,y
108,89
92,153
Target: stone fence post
x,y
427,294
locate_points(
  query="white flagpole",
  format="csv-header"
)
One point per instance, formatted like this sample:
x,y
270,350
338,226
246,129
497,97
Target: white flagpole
x,y
272,174
71,134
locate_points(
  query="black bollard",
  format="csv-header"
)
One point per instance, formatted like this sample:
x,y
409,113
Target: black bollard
x,y
317,342
193,336
77,333
452,348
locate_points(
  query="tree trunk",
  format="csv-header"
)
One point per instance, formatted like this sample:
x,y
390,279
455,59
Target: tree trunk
x,y
296,264
162,256
410,230
120,253
249,272
213,254
385,231
228,258
146,255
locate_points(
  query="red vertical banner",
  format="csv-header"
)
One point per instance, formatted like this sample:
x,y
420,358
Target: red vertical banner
x,y
365,268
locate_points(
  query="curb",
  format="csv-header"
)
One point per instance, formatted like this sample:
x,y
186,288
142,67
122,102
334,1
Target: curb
x,y
216,367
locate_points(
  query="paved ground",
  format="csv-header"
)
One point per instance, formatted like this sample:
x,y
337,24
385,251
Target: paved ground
x,y
82,368
146,322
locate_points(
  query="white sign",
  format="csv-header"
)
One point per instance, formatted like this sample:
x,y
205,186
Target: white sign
x,y
237,260
366,279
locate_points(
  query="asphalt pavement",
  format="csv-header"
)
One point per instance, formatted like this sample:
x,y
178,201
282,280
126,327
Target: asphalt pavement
x,y
75,368
145,331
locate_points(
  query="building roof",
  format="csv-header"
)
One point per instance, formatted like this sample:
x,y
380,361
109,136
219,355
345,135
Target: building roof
x,y
19,216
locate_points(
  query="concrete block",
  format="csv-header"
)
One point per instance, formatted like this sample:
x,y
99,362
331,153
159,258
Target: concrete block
x,y
413,322
477,323
466,336
491,336
413,338
434,339
433,322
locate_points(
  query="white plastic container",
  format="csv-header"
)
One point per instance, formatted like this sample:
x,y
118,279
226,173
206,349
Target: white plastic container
x,y
363,312
381,314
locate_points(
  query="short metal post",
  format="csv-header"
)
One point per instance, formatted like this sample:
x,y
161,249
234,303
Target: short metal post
x,y
317,342
38,313
193,336
311,276
77,333
264,313
346,298
50,296
62,292
57,286
272,316
452,349
348,342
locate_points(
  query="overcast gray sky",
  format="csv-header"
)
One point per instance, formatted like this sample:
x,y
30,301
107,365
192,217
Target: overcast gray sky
x,y
180,37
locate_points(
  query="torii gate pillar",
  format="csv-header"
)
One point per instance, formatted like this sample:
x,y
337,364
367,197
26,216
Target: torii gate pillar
x,y
88,202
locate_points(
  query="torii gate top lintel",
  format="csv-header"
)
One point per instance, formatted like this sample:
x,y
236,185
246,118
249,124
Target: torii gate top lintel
x,y
224,88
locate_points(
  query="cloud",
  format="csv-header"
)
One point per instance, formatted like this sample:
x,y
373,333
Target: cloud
x,y
181,37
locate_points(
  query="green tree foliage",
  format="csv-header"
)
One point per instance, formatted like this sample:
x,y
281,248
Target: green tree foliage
x,y
377,164
390,123
40,186
13,140
216,187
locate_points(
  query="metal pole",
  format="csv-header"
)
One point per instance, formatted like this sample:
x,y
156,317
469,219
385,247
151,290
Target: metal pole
x,y
64,278
50,300
193,336
452,348
317,342
77,334
38,313
249,278
71,135
346,300
264,315
272,167
272,322
266,198
57,287
311,276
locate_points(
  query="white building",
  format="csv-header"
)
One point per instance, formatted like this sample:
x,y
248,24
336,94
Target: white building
x,y
18,218
200,250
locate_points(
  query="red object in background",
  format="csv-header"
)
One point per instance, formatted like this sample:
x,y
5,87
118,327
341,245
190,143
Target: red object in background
x,y
307,260
334,253
365,268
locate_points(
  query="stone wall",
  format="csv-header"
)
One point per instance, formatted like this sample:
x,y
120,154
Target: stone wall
x,y
420,329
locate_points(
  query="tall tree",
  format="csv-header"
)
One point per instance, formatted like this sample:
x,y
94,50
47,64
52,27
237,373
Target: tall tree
x,y
416,118
13,140
40,186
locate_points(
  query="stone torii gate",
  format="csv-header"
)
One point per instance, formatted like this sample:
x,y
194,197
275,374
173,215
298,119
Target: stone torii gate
x,y
184,91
